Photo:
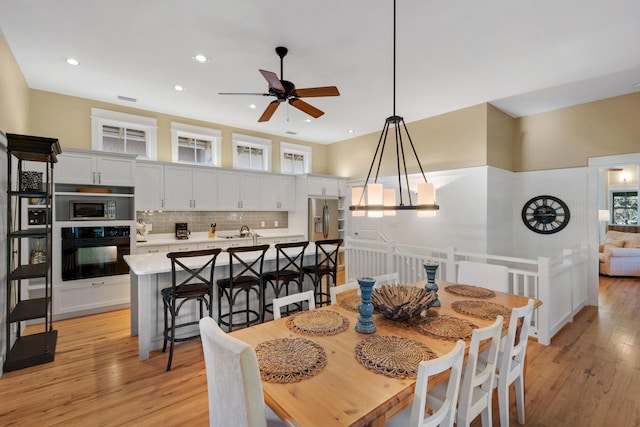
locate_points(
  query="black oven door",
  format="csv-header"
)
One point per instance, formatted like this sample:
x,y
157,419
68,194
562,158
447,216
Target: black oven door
x,y
85,256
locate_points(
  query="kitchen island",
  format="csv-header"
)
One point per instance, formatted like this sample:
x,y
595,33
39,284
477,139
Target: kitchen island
x,y
150,273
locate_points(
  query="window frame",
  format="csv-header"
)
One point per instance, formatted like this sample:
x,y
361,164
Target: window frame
x,y
240,140
290,148
101,118
626,194
214,136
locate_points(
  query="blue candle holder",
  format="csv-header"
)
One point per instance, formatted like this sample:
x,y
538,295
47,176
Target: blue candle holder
x,y
431,285
365,323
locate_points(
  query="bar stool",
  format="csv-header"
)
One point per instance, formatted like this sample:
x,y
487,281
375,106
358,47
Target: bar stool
x,y
326,266
196,286
289,263
245,277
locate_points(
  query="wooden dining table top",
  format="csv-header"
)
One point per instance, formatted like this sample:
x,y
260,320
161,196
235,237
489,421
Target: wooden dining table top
x,y
344,392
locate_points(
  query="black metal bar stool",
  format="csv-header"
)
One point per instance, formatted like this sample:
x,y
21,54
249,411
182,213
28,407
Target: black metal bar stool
x,y
289,263
245,277
196,286
326,266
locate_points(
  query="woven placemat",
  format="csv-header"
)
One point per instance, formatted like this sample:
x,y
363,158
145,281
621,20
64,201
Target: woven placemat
x,y
470,291
444,327
350,302
392,356
482,309
289,360
318,322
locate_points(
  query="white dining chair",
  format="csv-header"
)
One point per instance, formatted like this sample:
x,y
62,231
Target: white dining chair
x,y
386,279
443,412
511,362
299,297
335,290
490,276
233,380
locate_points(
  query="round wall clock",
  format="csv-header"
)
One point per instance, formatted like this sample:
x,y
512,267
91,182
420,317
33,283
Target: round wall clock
x,y
545,214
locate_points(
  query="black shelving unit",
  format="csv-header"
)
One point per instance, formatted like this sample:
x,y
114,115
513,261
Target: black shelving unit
x,y
24,350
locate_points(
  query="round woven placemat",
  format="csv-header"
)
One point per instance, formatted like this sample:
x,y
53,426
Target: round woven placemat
x,y
482,309
318,322
392,356
444,327
350,302
470,291
289,360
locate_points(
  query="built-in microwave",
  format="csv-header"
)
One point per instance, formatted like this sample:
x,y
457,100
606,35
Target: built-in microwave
x,y
92,210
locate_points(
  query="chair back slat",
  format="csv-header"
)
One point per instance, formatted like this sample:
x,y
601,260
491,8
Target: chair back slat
x,y
244,258
290,256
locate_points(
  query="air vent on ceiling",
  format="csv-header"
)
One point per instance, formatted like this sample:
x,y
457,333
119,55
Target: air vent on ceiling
x,y
126,98
290,132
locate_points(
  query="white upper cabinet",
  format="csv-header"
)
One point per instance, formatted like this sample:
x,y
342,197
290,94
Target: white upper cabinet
x,y
190,188
80,167
277,192
322,186
149,186
238,191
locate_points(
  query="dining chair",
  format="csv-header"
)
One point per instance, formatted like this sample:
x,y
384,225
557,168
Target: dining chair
x,y
386,279
233,380
335,290
245,277
490,276
196,286
443,412
511,360
285,301
289,263
477,381
325,268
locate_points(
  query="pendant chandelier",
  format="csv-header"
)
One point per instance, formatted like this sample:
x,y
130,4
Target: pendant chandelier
x,y
373,198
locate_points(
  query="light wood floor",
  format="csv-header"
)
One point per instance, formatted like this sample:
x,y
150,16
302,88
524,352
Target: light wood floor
x,y
589,376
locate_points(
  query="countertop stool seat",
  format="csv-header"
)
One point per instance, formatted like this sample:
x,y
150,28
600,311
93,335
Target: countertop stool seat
x,y
245,278
289,264
325,268
197,286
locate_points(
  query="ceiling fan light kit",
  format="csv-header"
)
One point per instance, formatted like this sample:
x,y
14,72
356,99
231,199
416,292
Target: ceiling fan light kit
x,y
285,91
372,198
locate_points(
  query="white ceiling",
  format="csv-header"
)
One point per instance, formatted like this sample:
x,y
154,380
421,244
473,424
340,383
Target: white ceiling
x,y
523,56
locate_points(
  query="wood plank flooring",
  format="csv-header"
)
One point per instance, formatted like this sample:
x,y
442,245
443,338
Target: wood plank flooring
x,y
588,376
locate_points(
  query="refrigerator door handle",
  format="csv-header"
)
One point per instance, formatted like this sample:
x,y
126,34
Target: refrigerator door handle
x,y
325,219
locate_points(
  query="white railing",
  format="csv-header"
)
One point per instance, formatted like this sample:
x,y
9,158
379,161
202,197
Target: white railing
x,y
559,282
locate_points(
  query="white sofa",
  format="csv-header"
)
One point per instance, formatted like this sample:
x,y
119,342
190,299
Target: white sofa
x,y
620,253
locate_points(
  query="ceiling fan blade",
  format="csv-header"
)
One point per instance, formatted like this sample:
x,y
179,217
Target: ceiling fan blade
x,y
268,112
307,108
316,91
244,93
273,80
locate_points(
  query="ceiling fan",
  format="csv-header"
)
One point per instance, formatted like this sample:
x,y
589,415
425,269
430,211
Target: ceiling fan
x,y
285,90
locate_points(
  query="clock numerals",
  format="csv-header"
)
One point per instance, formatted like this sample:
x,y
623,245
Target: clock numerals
x,y
545,214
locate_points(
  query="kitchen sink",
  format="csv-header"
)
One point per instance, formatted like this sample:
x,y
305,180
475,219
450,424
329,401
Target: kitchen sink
x,y
237,236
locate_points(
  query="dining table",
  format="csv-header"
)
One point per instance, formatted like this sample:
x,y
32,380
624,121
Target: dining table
x,y
344,392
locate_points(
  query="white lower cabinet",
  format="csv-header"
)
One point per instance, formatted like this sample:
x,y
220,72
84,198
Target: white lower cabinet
x,y
155,249
89,296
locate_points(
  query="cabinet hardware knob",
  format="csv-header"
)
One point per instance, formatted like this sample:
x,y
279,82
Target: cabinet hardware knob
x,y
97,283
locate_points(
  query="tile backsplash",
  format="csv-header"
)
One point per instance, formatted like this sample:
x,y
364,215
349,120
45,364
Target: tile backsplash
x,y
164,222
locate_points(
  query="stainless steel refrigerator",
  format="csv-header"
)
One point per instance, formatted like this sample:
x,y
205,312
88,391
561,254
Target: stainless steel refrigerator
x,y
323,219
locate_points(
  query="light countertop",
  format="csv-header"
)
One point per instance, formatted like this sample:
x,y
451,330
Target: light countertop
x,y
201,237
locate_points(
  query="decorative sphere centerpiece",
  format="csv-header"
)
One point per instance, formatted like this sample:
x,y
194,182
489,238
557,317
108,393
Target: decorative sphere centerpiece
x,y
431,285
365,323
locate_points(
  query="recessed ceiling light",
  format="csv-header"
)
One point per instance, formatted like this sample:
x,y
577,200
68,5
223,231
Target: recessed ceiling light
x,y
307,120
201,59
72,61
252,106
350,130
178,88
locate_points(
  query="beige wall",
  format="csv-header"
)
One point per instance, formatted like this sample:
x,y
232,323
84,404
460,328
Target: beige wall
x,y
567,137
452,140
501,131
14,92
68,118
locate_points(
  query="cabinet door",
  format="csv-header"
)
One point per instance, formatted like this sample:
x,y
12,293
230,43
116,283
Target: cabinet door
x,y
75,168
177,188
269,192
205,189
321,186
228,191
115,171
287,189
149,187
250,191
